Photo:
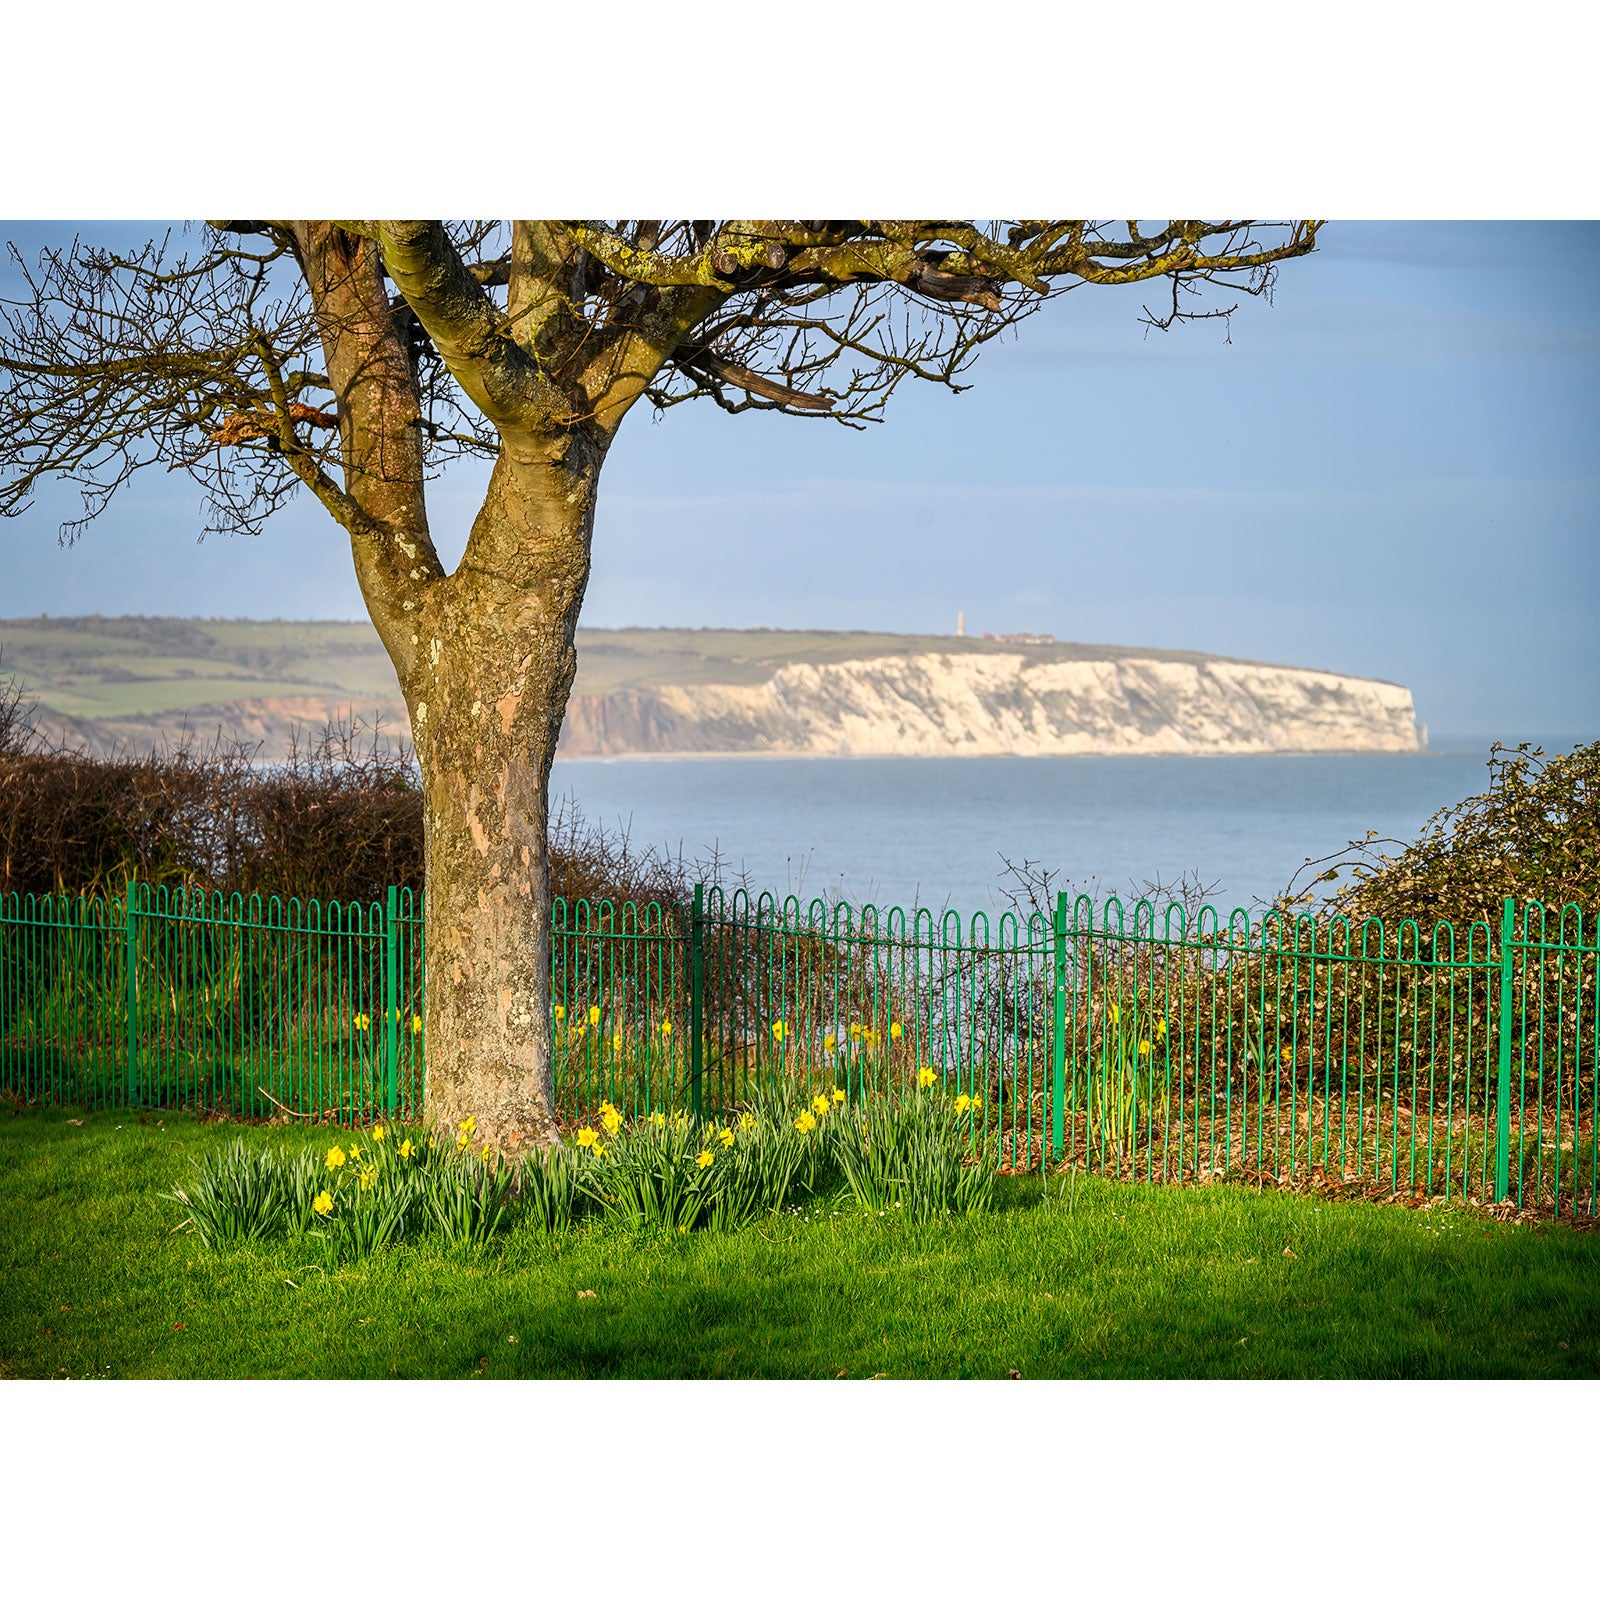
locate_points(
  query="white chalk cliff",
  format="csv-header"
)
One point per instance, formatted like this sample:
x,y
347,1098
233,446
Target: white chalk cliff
x,y
930,703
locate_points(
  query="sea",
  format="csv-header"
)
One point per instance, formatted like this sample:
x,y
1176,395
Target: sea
x,y
966,833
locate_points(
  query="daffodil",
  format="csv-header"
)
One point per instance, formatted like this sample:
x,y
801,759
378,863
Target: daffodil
x,y
463,1141
704,1159
962,1102
560,1013
746,1122
468,1124
839,1096
594,1016
611,1118
406,1148
1144,1047
777,1031
855,1030
658,1119
487,1153
977,1102
830,1043
895,1030
587,1138
1286,1054
616,1040
1113,1013
379,1134
666,1027
805,1122
925,1078
726,1136
416,1024
868,1037
355,1152
362,1021
335,1158
1161,1029
819,1104
323,1204
369,1176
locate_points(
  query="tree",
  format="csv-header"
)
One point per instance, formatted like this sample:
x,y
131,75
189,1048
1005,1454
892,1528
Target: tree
x,y
352,359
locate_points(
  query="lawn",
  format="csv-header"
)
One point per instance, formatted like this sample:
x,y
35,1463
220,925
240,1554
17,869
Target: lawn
x,y
1093,1280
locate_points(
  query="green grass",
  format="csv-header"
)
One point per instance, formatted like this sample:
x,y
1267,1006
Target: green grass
x,y
1109,1281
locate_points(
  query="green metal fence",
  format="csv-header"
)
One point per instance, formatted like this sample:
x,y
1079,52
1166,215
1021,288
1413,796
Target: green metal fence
x,y
1135,1041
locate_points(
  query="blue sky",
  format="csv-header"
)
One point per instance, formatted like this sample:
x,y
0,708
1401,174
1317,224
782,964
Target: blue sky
x,y
1390,471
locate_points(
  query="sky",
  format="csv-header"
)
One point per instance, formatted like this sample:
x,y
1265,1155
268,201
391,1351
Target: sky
x,y
1390,470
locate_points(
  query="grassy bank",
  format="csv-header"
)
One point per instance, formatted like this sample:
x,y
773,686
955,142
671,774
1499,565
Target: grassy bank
x,y
1106,1281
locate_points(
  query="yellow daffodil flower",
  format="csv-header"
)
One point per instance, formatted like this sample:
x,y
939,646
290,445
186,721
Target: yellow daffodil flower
x,y
1113,1013
560,1013
379,1134
362,1021
746,1122
855,1030
616,1041
726,1136
1286,1053
463,1141
587,1138
805,1122
611,1118
416,1024
323,1204
666,1027
369,1176
868,1037
406,1147
355,1152
819,1104
704,1159
925,1078
1144,1047
594,1015
1161,1029
777,1031
977,1102
962,1101
468,1125
487,1153
839,1096
830,1043
895,1030
658,1119
335,1158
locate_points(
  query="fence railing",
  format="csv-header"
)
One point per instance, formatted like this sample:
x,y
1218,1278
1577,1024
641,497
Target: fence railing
x,y
1139,1042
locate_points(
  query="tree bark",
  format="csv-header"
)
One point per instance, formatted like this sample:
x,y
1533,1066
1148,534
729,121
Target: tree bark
x,y
494,658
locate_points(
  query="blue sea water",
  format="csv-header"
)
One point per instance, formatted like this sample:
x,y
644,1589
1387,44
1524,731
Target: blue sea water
x,y
933,831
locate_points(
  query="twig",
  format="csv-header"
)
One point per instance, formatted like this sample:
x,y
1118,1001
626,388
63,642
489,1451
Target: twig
x,y
282,1107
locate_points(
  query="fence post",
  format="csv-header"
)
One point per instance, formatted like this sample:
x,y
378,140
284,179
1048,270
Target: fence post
x,y
1058,1045
130,947
391,995
1502,1120
697,995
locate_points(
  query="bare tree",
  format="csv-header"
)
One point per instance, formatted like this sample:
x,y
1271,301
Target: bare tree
x,y
353,359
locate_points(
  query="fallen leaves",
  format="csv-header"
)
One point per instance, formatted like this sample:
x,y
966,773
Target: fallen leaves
x,y
1290,1254
586,1294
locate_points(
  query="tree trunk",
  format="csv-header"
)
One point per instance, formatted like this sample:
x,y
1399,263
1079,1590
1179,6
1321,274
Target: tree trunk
x,y
494,660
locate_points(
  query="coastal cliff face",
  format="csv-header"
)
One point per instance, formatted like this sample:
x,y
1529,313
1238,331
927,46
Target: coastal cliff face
x,y
133,682
932,703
